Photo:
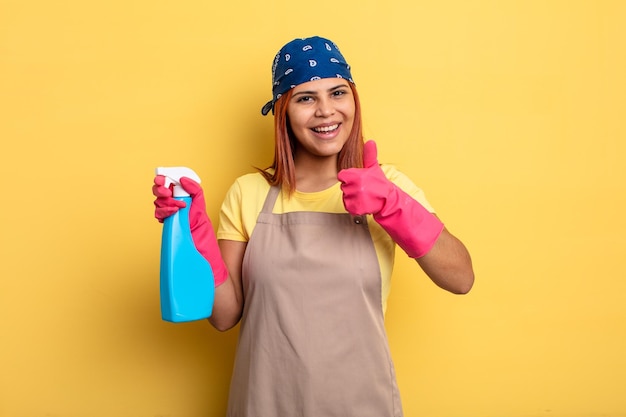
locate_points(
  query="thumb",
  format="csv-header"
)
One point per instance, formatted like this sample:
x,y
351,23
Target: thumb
x,y
189,185
370,154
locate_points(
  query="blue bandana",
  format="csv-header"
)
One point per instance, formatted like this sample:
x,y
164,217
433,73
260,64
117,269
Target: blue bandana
x,y
304,60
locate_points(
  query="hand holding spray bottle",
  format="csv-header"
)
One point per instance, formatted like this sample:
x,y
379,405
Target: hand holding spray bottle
x,y
187,280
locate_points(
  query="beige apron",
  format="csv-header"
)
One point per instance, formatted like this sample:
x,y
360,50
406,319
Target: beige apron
x,y
312,340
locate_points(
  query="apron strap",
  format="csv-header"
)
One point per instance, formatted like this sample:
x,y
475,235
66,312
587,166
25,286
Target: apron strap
x,y
270,200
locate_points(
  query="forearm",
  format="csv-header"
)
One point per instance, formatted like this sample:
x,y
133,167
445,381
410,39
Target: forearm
x,y
448,264
226,307
228,304
417,231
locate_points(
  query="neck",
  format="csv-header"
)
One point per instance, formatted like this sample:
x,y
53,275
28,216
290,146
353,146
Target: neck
x,y
315,173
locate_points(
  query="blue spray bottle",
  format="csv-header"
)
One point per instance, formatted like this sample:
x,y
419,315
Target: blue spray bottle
x,y
187,287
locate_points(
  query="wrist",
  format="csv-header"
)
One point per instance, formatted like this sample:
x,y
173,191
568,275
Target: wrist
x,y
220,272
409,224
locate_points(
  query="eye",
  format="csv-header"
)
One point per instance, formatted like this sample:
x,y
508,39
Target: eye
x,y
339,93
304,99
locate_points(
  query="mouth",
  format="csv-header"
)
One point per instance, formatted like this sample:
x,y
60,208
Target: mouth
x,y
326,129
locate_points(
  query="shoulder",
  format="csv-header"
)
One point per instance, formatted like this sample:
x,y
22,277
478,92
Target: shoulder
x,y
240,208
251,178
248,188
252,183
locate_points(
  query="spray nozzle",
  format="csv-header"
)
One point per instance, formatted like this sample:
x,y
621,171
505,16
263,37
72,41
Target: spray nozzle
x,y
173,175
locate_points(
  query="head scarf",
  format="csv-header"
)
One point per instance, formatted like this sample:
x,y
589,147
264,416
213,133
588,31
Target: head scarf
x,y
304,60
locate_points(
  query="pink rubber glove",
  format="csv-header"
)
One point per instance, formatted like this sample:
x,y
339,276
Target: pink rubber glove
x,y
201,228
368,191
165,204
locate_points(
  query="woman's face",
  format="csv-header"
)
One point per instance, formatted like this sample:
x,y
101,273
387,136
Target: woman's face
x,y
321,115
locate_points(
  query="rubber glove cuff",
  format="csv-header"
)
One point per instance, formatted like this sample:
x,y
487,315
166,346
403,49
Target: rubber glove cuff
x,y
409,224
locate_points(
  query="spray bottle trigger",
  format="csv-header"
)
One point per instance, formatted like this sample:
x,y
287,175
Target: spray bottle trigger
x,y
173,175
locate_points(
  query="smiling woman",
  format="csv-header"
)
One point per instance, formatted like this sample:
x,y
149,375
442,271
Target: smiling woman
x,y
282,172
321,117
306,247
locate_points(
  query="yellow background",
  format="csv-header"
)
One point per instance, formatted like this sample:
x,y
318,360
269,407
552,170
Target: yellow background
x,y
509,114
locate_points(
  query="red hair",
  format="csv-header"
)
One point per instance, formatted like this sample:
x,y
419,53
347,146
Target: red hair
x,y
283,171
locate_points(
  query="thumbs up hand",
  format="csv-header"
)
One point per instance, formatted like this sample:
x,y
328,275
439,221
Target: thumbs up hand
x,y
365,189
368,191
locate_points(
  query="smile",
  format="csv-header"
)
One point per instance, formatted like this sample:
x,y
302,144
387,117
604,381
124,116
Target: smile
x,y
326,129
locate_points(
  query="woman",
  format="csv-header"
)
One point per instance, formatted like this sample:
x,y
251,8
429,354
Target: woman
x,y
306,250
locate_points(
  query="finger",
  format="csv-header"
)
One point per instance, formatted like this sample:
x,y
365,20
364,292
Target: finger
x,y
169,202
162,213
161,191
159,180
189,185
370,154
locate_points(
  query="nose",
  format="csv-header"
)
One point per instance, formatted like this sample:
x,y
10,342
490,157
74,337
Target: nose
x,y
324,108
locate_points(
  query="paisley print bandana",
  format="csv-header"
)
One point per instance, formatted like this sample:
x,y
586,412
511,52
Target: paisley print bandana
x,y
304,60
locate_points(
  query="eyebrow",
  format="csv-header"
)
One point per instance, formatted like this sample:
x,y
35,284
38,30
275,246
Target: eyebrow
x,y
330,90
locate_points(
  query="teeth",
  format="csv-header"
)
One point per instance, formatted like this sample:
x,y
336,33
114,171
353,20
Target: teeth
x,y
326,129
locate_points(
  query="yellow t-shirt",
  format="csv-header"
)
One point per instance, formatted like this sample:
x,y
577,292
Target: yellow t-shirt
x,y
244,201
